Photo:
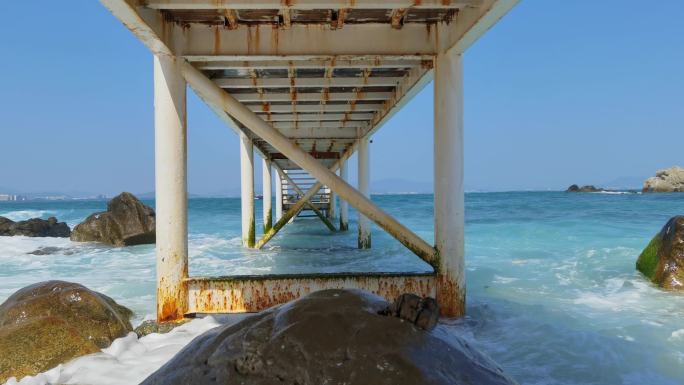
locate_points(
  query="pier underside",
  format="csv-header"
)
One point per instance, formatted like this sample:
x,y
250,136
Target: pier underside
x,y
305,84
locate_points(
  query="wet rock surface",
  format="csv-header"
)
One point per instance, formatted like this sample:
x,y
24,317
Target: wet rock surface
x,y
34,227
49,250
423,312
49,323
668,180
329,337
149,327
126,222
662,261
587,188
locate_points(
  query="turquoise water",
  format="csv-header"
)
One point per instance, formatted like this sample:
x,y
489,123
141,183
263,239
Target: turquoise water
x,y
552,291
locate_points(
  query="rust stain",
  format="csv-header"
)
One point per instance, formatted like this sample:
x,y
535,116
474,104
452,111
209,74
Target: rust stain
x,y
450,297
250,295
275,36
217,40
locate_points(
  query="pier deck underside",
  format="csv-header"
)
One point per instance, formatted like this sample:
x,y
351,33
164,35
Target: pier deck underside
x,y
305,84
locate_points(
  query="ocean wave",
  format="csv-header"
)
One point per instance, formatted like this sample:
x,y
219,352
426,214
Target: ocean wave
x,y
22,215
618,192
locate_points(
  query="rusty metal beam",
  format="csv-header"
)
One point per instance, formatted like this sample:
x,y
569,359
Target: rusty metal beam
x,y
316,108
379,81
315,154
240,294
311,96
309,4
218,62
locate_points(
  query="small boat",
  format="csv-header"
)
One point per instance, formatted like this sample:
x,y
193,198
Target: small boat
x,y
258,197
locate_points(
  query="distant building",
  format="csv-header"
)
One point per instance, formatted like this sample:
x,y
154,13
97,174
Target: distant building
x,y
11,197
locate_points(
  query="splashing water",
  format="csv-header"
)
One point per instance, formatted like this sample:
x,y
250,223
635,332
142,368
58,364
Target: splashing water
x,y
553,294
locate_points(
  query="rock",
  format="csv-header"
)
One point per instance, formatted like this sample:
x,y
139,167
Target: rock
x,y
34,227
49,323
328,337
5,225
423,312
149,327
48,250
126,222
669,180
587,188
662,261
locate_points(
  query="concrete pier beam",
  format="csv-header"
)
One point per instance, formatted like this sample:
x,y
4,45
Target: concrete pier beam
x,y
247,190
266,177
364,188
171,196
332,207
278,197
448,183
344,206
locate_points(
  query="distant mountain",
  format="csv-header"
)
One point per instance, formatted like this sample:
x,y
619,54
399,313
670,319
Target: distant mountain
x,y
397,186
625,183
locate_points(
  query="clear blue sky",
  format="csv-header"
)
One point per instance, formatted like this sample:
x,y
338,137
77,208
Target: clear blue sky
x,y
559,92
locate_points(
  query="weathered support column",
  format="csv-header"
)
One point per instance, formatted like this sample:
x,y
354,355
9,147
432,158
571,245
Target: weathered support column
x,y
364,188
344,206
278,197
171,196
332,207
267,195
219,100
247,190
448,179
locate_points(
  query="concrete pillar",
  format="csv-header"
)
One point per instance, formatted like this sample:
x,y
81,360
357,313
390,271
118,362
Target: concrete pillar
x,y
344,206
448,179
332,208
278,197
364,188
171,196
247,190
267,195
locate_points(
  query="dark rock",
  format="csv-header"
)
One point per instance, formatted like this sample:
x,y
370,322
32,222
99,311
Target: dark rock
x,y
662,261
52,322
48,250
424,312
126,222
5,225
149,327
35,227
587,188
328,337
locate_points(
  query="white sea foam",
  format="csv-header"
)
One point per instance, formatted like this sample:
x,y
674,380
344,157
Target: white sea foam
x,y
22,215
129,359
677,335
503,280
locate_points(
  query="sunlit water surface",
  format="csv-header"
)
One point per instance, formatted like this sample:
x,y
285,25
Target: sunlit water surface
x,y
552,291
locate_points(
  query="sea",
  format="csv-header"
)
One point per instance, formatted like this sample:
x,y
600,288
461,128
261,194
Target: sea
x,y
552,291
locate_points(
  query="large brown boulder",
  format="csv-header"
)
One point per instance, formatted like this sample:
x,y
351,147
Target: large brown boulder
x,y
329,337
662,261
668,180
49,323
34,227
126,222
